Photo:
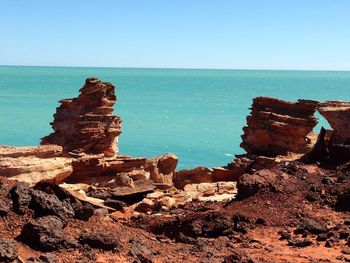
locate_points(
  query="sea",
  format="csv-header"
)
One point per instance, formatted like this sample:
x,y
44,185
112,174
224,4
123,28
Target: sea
x,y
198,114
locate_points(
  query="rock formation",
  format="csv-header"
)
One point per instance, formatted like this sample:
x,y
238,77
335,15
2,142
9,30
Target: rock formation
x,y
123,170
161,169
205,175
105,191
87,130
337,113
276,131
86,124
34,164
83,148
277,127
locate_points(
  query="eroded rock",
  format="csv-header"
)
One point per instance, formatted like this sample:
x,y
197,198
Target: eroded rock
x,y
337,113
162,168
86,124
205,175
276,127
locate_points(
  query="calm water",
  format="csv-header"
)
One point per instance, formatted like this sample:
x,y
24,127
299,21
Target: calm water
x,y
197,114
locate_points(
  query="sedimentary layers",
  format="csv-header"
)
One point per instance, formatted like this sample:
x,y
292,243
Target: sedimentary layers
x,y
276,127
86,124
34,164
337,113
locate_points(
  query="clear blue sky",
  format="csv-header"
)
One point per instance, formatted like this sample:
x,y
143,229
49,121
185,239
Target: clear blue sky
x,y
245,34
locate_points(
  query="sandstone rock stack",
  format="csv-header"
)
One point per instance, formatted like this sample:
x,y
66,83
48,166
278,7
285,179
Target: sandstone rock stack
x,y
276,127
86,124
337,113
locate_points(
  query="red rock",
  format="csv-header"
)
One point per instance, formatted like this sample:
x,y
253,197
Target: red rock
x,y
162,168
34,164
223,174
195,175
205,175
276,131
250,184
86,124
276,127
43,151
337,113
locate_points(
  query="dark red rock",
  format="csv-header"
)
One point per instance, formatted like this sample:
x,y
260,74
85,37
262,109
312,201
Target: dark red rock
x,y
21,197
48,204
343,201
105,241
297,242
250,184
45,234
311,226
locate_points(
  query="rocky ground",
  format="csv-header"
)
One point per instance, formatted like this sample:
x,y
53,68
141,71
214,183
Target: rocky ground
x,y
291,213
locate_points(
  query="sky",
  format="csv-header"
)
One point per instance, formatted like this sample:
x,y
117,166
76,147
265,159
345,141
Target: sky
x,y
229,34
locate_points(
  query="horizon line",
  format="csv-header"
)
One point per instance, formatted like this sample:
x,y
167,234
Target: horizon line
x,y
176,68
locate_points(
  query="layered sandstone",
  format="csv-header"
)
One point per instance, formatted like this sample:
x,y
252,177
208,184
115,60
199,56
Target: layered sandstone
x,y
34,164
86,124
87,131
277,127
337,113
204,175
123,170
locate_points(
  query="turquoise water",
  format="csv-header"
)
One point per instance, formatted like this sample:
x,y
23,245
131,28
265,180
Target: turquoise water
x,y
197,114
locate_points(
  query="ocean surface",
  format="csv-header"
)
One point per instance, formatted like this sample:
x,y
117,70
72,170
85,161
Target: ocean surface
x,y
196,114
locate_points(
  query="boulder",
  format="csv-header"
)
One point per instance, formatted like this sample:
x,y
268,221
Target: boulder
x,y
100,169
162,168
337,113
48,204
195,175
105,241
343,201
45,234
250,184
205,175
